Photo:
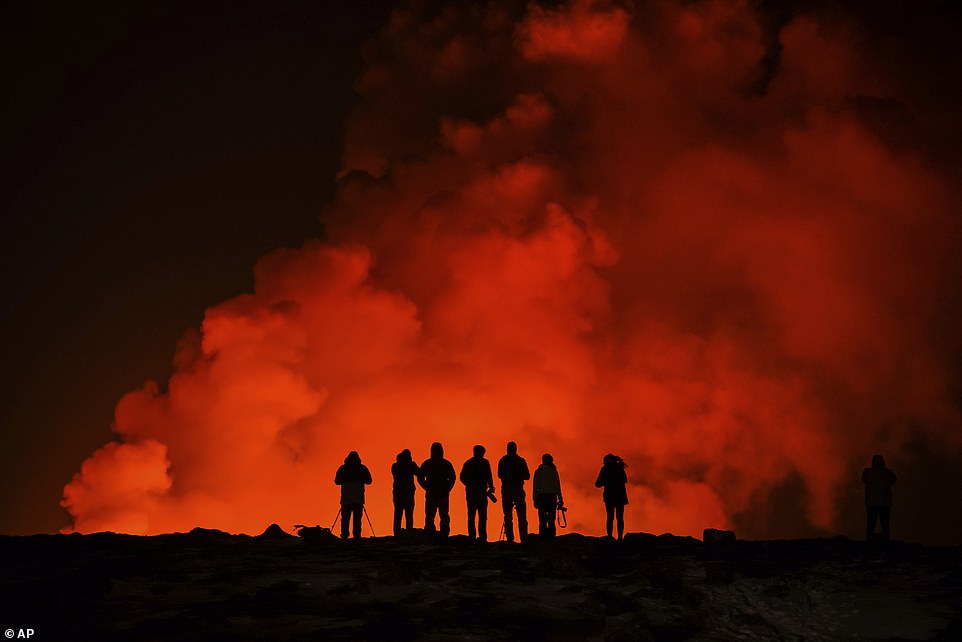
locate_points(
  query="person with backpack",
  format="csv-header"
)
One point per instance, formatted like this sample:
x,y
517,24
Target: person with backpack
x,y
614,480
352,477
404,471
513,471
437,478
546,488
478,486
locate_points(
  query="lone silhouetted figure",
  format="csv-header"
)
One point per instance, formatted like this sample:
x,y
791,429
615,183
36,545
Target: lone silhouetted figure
x,y
513,471
404,471
878,482
478,484
352,477
546,488
437,479
614,480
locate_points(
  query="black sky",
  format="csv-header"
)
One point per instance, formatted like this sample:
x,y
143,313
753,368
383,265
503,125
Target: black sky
x,y
152,152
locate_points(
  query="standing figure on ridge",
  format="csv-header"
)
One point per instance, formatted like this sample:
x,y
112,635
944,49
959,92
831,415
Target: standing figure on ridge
x,y
614,480
437,479
478,486
404,471
513,471
352,477
878,482
546,488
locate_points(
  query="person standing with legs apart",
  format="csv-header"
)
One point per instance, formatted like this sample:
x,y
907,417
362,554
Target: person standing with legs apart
x,y
404,471
546,488
437,479
513,471
478,485
878,482
352,477
614,480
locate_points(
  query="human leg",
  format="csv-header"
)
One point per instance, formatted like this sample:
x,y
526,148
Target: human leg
x,y
506,508
445,515
620,515
483,520
871,515
609,517
430,508
885,517
472,511
358,511
522,507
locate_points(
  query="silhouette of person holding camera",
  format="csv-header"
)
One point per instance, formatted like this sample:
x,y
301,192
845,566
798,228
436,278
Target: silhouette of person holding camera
x,y
546,488
614,480
878,482
513,471
437,478
478,487
404,471
352,477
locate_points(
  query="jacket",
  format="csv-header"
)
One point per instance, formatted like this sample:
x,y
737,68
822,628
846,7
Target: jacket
x,y
614,480
878,486
513,471
476,477
437,476
352,477
404,471
546,481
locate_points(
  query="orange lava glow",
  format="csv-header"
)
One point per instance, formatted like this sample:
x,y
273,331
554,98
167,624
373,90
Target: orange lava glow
x,y
587,229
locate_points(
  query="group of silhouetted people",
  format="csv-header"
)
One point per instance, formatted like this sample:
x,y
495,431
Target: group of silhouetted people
x,y
437,477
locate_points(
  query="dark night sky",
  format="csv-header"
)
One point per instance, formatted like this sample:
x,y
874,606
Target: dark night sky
x,y
152,152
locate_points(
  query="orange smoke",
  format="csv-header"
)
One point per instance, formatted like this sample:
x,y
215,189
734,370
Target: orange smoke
x,y
673,234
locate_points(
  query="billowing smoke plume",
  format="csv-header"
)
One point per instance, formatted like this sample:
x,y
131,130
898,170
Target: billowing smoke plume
x,y
715,241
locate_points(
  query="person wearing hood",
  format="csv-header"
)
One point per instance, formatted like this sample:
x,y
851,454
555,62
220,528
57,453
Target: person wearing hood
x,y
513,471
614,480
404,471
437,478
878,482
478,486
546,487
352,477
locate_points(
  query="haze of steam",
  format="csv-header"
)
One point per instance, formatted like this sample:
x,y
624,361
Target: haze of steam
x,y
588,229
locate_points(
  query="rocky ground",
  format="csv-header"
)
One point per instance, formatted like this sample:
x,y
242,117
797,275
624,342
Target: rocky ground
x,y
210,585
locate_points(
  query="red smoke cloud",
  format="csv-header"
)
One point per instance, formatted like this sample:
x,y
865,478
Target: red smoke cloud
x,y
687,233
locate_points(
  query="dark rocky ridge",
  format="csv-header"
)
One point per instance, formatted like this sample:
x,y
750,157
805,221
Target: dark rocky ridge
x,y
211,585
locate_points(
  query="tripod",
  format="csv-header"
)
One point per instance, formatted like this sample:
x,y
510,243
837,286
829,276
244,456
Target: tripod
x,y
338,516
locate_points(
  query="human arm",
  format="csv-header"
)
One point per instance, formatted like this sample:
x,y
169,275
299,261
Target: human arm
x,y
451,476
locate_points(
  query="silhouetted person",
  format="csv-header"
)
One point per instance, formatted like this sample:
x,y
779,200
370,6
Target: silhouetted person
x,y
352,477
878,482
437,479
478,484
546,488
404,471
513,471
614,480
